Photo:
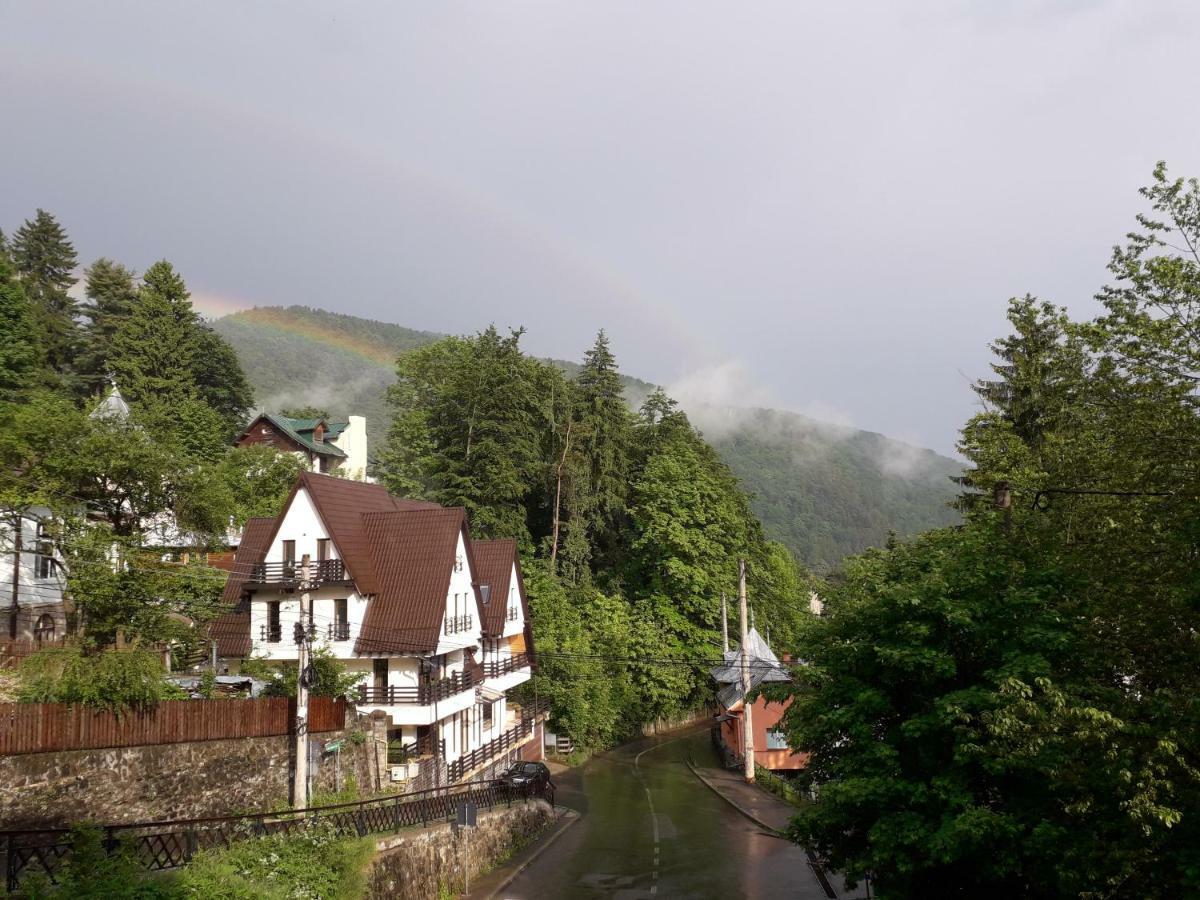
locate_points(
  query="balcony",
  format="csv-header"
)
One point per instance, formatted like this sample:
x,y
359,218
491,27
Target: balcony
x,y
513,614
497,747
289,573
420,694
496,668
339,631
270,634
458,624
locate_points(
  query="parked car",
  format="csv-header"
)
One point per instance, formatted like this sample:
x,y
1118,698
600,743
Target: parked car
x,y
527,775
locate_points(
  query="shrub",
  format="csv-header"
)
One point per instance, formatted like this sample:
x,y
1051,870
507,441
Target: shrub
x,y
110,679
89,871
311,863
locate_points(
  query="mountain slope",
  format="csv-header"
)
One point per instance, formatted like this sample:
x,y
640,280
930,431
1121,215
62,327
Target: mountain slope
x,y
823,491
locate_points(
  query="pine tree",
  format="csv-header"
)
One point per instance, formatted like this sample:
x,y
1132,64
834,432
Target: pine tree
x,y
112,291
604,443
20,351
162,355
44,258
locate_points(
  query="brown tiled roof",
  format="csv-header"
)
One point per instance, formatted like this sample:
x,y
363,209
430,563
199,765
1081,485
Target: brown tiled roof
x,y
341,504
231,630
414,551
494,560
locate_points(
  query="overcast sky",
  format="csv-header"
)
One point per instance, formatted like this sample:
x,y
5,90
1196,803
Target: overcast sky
x,y
816,206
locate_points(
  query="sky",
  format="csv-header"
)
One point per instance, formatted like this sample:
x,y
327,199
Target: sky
x,y
820,207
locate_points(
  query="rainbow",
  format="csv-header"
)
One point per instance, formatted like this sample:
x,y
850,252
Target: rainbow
x,y
280,319
233,116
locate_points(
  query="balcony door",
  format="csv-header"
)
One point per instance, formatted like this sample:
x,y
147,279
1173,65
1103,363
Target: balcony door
x,y
380,673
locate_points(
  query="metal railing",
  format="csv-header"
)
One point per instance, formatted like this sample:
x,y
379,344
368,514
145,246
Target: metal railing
x,y
339,631
271,634
167,845
325,571
496,667
421,694
458,624
513,614
423,746
492,749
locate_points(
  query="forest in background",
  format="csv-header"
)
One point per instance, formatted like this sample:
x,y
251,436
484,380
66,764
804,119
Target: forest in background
x,y
823,491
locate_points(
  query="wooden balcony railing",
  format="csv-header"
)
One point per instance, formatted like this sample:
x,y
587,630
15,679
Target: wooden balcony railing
x,y
495,668
420,694
458,624
423,747
339,631
513,614
270,634
326,571
489,751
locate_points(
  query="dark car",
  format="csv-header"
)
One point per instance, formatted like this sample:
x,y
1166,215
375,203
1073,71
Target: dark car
x,y
527,775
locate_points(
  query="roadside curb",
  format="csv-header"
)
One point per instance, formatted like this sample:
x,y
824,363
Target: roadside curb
x,y
567,818
745,812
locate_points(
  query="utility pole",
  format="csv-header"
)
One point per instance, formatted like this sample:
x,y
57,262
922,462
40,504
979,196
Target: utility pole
x,y
747,723
300,781
18,524
724,624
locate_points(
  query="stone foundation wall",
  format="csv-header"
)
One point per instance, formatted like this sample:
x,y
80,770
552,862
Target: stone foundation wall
x,y
170,781
421,865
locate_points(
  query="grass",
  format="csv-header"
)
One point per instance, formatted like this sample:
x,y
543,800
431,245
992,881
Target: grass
x,y
779,786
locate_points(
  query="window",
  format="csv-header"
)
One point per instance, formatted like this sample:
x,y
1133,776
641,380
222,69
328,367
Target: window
x,y
340,629
272,631
487,715
43,563
777,740
322,549
289,553
43,630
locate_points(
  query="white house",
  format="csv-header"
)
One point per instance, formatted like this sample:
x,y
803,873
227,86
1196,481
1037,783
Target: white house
x,y
435,624
32,581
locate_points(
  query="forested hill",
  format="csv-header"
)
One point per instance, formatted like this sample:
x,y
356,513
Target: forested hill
x,y
823,491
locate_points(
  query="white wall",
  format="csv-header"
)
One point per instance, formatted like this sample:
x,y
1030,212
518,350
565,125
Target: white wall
x,y
32,589
511,629
461,585
353,442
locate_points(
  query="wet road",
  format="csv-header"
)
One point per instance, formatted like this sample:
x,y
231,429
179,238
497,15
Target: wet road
x,y
652,829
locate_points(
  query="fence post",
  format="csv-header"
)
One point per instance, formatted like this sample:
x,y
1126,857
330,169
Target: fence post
x,y
191,845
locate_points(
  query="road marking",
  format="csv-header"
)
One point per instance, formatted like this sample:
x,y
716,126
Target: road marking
x,y
637,765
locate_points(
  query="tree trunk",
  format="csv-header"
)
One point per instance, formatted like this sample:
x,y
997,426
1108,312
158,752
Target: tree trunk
x,y
558,495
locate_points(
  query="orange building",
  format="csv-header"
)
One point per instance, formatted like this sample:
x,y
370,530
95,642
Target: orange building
x,y
771,750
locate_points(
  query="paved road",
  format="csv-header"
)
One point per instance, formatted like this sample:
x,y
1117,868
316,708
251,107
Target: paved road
x,y
651,829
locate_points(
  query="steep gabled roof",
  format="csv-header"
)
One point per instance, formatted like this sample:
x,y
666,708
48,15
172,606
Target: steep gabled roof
x,y
413,556
495,560
764,667
341,503
231,630
288,427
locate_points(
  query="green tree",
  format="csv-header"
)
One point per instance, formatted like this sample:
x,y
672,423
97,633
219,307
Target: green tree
x,y
468,429
45,260
112,292
20,352
162,356
259,479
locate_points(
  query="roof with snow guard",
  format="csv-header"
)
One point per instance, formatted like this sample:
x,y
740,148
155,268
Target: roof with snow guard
x,y
764,667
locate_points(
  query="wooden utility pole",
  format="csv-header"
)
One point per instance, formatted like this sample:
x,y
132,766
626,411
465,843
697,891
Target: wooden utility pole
x,y
724,624
300,781
747,719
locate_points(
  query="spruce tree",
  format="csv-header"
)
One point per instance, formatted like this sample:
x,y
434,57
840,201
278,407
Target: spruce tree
x,y
604,441
112,291
20,351
45,259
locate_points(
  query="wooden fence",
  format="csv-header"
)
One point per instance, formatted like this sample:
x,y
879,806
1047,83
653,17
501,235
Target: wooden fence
x,y
48,727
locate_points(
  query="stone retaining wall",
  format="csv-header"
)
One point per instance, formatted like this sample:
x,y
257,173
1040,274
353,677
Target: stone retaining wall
x,y
434,861
170,781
